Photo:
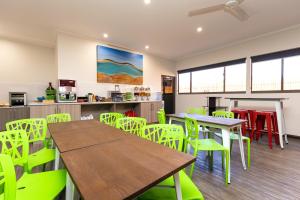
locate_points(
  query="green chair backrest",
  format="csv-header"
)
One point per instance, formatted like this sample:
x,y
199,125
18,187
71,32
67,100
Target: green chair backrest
x,y
7,177
161,116
192,128
35,128
223,114
131,125
198,111
110,118
169,135
57,118
15,144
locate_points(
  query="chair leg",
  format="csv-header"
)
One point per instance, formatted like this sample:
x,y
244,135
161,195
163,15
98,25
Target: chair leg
x,y
193,165
223,156
211,160
231,142
227,166
249,152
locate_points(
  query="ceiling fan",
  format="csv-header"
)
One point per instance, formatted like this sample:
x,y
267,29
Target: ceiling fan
x,y
231,6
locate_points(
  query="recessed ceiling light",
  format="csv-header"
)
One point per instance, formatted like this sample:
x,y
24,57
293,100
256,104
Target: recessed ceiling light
x,y
199,29
147,47
147,2
105,35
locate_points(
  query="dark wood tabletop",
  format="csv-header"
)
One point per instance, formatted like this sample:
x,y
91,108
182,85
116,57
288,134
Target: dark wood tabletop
x,y
209,119
107,163
122,169
78,134
59,128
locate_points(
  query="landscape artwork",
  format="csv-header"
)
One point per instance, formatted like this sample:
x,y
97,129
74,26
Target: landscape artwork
x,y
118,66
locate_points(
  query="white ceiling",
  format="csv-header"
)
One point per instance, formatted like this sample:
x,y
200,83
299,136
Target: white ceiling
x,y
163,25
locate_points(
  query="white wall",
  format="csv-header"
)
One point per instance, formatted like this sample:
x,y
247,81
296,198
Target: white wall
x,y
286,39
76,59
25,68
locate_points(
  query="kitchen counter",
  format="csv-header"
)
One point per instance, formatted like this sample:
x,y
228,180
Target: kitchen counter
x,y
89,103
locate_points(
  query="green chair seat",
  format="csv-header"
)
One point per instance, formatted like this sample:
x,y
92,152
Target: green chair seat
x,y
40,157
206,145
45,185
188,188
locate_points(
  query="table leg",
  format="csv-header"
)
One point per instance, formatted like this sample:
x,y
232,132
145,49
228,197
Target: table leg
x,y
226,144
56,163
280,122
241,143
170,120
231,105
69,188
177,186
284,125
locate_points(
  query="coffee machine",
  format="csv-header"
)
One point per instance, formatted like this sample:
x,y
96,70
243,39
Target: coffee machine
x,y
66,91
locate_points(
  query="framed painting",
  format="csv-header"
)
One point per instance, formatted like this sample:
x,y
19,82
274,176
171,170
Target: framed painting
x,y
119,66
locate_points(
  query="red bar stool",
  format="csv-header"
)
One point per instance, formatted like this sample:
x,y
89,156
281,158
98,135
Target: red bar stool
x,y
272,129
242,114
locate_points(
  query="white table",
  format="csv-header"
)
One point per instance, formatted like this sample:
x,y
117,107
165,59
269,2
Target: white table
x,y
225,124
278,104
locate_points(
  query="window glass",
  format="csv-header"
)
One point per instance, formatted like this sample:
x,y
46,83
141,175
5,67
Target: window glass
x,y
291,74
210,80
266,75
235,78
184,83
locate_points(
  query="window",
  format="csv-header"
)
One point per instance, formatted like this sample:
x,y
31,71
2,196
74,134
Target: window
x,y
223,77
210,80
235,78
266,75
276,72
184,82
291,73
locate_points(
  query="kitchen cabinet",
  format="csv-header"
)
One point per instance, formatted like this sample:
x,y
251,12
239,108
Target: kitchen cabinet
x,y
149,110
41,111
73,109
11,114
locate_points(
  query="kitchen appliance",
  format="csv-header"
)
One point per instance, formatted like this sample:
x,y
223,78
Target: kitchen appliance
x,y
66,91
116,96
17,99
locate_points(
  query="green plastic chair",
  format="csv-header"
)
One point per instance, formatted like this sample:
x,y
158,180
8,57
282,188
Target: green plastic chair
x,y
57,118
45,185
209,145
36,132
161,116
171,136
110,118
233,136
131,125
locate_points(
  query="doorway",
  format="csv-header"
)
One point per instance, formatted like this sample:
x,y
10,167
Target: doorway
x,y
168,93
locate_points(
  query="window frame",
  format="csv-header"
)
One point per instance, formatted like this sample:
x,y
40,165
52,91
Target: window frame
x,y
272,56
212,66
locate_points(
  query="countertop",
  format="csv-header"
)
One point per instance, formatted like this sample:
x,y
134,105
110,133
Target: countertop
x,y
90,103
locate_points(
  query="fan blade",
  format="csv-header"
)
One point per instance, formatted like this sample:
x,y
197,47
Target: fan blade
x,y
237,12
206,10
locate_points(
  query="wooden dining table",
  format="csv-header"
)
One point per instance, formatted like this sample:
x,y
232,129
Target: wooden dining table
x,y
106,163
225,124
